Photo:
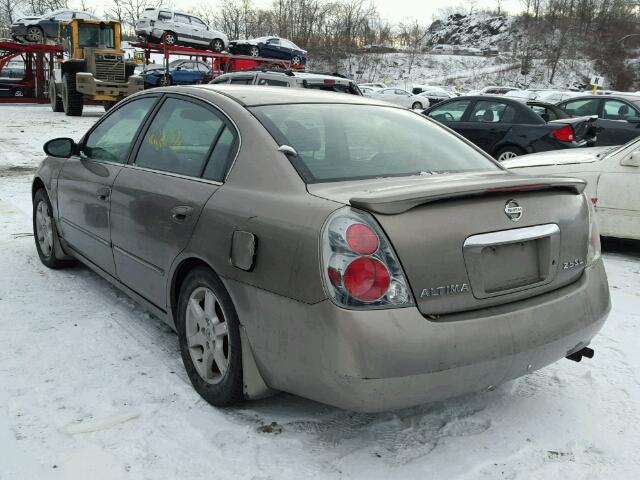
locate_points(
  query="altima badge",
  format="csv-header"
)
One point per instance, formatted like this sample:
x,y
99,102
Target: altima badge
x,y
453,289
513,210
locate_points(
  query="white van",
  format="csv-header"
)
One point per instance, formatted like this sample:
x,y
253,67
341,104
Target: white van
x,y
174,27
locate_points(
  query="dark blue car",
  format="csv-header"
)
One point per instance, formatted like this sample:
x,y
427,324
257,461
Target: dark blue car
x,y
269,47
181,72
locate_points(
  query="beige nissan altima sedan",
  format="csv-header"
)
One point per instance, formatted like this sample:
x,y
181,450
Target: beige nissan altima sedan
x,y
327,245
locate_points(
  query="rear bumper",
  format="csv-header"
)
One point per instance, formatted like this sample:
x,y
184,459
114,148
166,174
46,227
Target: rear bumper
x,y
387,359
87,84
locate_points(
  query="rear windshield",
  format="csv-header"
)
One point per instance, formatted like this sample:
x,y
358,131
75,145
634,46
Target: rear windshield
x,y
338,142
351,88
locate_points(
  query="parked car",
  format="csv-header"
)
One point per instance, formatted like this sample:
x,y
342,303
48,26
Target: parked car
x,y
181,72
39,29
366,91
491,51
13,87
296,261
442,50
418,89
436,94
270,47
493,90
618,116
506,127
373,85
291,79
401,97
179,28
613,182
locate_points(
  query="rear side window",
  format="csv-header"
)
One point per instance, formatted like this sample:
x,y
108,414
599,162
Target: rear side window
x,y
617,110
492,112
579,108
180,138
111,139
338,142
273,82
450,112
221,155
242,80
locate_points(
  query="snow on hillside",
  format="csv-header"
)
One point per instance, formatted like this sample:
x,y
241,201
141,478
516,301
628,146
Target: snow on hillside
x,y
464,72
472,30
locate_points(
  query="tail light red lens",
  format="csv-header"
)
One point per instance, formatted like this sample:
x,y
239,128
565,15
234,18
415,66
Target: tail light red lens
x,y
367,279
564,134
360,268
362,239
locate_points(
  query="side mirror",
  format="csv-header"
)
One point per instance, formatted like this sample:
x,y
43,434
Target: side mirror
x,y
60,147
632,160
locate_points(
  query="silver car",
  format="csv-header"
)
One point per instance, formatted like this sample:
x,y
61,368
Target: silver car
x,y
327,245
174,27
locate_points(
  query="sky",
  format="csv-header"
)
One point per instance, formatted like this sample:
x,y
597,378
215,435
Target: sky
x,y
391,10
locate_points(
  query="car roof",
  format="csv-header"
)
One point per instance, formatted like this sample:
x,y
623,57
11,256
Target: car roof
x,y
629,98
253,95
290,74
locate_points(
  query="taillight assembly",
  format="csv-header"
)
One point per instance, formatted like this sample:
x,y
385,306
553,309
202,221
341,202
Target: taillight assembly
x,y
564,134
360,268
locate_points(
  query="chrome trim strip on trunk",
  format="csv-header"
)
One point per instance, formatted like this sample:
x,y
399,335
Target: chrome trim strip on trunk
x,y
510,236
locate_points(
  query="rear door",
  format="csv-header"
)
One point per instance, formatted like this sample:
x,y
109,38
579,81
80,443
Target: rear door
x,y
618,123
179,163
488,123
85,182
272,48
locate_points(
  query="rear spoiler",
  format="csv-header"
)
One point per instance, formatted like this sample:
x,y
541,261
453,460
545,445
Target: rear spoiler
x,y
394,201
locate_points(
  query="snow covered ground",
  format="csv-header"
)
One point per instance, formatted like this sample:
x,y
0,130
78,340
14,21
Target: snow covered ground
x,y
91,386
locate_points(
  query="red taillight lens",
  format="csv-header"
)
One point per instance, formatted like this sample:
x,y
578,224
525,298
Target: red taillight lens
x,y
366,279
334,276
564,134
361,239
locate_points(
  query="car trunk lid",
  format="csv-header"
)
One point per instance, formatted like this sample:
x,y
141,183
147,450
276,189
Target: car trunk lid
x,y
469,241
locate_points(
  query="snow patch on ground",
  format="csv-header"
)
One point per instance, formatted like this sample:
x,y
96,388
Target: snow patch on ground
x,y
92,386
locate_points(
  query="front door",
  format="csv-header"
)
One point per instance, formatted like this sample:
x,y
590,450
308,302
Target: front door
x,y
618,123
84,184
156,200
618,196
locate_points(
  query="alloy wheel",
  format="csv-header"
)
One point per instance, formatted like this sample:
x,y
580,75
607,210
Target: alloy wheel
x,y
34,34
207,335
295,60
254,52
506,156
169,38
44,228
18,93
217,45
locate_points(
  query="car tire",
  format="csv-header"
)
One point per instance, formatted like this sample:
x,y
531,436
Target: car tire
x,y
209,338
416,106
34,34
45,232
511,151
217,45
170,38
72,100
56,101
254,51
165,81
296,60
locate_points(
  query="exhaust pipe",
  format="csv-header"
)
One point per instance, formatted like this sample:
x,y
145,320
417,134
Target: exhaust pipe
x,y
584,352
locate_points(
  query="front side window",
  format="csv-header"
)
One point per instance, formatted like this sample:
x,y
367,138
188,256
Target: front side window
x,y
273,41
580,108
617,110
95,35
164,16
242,80
450,112
111,139
180,138
337,142
181,18
197,22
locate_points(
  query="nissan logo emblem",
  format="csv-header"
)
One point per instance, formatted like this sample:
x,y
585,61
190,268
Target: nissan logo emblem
x,y
513,210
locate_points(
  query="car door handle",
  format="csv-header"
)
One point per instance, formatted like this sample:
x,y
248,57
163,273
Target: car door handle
x,y
103,194
181,213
